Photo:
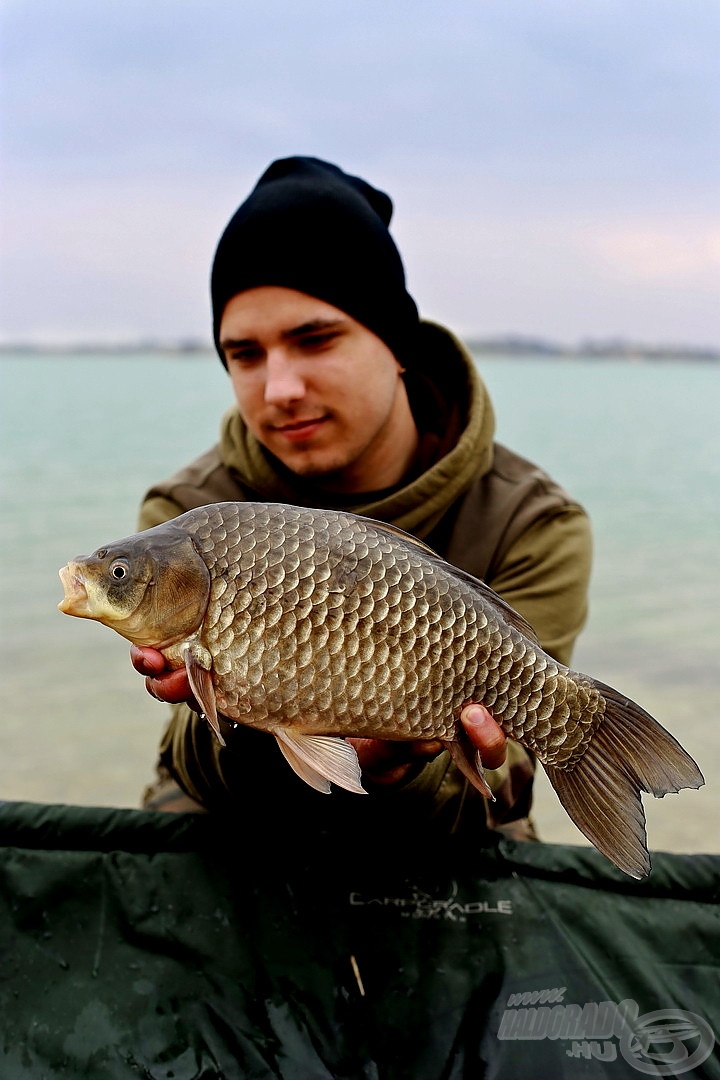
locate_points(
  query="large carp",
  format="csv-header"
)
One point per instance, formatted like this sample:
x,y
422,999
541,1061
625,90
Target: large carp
x,y
315,625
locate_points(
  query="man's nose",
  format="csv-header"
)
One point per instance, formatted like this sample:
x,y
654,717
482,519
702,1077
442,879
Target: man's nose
x,y
283,381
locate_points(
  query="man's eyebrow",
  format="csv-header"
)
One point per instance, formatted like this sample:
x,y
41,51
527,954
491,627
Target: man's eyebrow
x,y
237,343
314,326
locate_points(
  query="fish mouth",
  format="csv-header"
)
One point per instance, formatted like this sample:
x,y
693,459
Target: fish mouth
x,y
75,601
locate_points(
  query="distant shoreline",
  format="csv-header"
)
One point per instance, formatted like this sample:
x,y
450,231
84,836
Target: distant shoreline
x,y
511,346
613,349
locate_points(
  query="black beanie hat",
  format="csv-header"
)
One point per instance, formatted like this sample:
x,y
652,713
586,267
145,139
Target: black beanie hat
x,y
309,226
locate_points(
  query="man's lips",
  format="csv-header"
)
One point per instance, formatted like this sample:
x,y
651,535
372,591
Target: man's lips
x,y
299,430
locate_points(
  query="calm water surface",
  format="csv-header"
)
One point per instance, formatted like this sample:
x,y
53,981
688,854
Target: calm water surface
x,y
83,437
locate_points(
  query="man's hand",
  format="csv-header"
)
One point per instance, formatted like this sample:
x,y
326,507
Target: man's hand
x,y
383,762
160,681
386,763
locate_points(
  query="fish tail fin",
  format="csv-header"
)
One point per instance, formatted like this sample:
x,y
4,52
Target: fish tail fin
x,y
628,753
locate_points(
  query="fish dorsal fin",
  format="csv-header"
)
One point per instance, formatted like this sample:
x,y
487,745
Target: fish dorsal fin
x,y
511,616
316,756
201,684
400,534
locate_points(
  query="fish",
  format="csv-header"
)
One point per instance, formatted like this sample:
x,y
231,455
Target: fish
x,y
319,625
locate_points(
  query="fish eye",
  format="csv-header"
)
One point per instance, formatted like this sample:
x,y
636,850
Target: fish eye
x,y
119,570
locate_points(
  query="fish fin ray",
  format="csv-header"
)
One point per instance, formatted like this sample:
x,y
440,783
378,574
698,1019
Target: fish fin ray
x,y
629,752
658,761
201,684
304,771
326,755
469,762
611,816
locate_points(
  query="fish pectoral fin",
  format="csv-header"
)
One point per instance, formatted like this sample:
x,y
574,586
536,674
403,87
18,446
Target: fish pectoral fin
x,y
319,758
201,684
469,762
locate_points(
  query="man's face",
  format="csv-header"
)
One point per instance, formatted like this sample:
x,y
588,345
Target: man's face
x,y
319,390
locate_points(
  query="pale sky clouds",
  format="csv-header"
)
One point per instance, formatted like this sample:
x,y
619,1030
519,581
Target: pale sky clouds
x,y
554,165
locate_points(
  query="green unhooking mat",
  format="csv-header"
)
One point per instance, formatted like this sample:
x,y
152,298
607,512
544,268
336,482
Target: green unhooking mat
x,y
171,947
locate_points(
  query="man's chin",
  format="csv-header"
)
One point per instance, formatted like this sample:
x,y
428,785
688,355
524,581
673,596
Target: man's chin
x,y
321,474
328,474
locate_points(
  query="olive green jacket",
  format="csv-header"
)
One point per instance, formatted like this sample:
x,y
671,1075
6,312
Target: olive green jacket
x,y
484,508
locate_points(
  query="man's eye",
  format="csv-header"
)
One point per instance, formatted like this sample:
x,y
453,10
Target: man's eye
x,y
245,356
317,341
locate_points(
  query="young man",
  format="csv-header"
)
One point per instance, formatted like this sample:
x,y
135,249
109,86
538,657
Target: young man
x,y
345,399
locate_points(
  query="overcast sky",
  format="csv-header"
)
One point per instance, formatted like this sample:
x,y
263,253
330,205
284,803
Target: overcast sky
x,y
554,164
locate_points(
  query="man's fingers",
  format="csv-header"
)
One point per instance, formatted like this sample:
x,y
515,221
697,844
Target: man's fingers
x,y
485,735
146,660
388,762
160,681
376,755
172,686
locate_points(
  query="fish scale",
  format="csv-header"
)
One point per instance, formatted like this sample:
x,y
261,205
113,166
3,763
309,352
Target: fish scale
x,y
317,625
444,647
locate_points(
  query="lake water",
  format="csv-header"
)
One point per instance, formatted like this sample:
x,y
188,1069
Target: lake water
x,y
82,437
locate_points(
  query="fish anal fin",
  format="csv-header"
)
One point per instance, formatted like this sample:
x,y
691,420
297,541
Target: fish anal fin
x,y
629,752
201,684
316,756
469,762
